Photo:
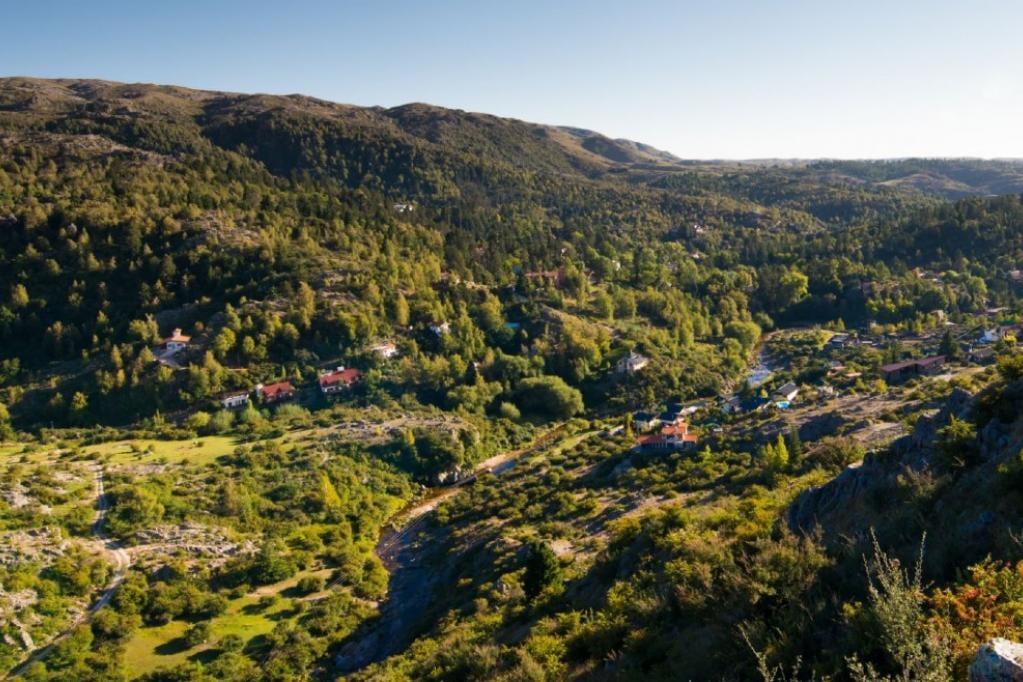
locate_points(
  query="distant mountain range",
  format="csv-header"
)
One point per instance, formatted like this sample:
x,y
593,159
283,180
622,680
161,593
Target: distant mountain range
x,y
298,133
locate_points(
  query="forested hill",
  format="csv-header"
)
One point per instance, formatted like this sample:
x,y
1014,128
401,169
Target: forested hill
x,y
288,233
397,148
270,322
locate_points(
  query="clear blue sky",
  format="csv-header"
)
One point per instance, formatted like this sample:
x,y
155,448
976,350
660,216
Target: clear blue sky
x,y
709,79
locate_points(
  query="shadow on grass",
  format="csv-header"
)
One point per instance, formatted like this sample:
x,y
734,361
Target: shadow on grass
x,y
172,646
205,656
256,645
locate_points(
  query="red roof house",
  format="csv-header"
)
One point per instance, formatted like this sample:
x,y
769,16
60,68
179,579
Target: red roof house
x,y
177,341
276,392
339,380
671,437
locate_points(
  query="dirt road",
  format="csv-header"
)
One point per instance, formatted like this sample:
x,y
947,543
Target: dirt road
x,y
118,557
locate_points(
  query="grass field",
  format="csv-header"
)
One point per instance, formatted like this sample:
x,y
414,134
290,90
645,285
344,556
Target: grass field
x,y
152,648
198,451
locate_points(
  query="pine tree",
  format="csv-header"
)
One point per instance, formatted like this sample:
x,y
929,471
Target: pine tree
x,y
542,570
776,456
949,348
795,446
781,452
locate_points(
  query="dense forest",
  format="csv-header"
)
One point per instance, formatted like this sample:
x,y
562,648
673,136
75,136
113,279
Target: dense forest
x,y
484,279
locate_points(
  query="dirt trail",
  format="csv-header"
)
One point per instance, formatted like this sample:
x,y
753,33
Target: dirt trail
x,y
118,557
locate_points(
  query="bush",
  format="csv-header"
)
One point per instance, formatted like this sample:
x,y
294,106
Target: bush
x,y
231,643
836,453
509,411
199,421
549,396
221,422
310,584
197,634
957,444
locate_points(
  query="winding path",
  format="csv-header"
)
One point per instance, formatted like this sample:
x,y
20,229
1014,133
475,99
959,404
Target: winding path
x,y
118,557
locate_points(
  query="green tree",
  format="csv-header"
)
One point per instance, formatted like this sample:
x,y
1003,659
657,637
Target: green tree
x,y
549,396
793,287
19,296
795,444
134,508
543,570
949,348
957,444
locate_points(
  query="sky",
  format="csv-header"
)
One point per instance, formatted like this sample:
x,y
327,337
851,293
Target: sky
x,y
715,79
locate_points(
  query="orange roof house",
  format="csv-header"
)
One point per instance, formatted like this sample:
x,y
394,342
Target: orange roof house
x,y
339,380
177,341
276,392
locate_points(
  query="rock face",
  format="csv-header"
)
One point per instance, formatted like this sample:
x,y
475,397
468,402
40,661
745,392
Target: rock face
x,y
848,493
998,661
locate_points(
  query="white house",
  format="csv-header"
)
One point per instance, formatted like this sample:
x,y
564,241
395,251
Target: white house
x,y
631,363
993,335
644,421
787,392
176,341
234,401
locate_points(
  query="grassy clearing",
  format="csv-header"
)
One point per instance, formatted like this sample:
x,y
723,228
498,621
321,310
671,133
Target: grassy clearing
x,y
144,451
163,646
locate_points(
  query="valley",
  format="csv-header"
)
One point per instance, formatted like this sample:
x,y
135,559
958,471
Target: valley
x,y
296,390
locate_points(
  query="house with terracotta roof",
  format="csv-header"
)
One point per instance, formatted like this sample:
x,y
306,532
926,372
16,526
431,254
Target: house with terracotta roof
x,y
276,392
176,341
673,436
339,380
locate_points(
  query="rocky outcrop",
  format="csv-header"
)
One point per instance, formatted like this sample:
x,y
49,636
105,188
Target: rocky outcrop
x,y
998,661
848,493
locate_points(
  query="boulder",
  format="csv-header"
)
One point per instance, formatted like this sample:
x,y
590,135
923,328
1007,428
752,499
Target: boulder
x,y
998,661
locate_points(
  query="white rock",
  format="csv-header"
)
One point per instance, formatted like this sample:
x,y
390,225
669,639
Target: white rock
x,y
998,661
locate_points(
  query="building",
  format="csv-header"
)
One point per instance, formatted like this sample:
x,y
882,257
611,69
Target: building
x,y
631,363
403,207
897,372
673,413
787,392
440,328
234,401
754,404
671,437
644,421
981,356
177,341
276,392
386,350
993,335
339,380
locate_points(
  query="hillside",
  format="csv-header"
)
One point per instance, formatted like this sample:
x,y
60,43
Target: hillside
x,y
292,389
